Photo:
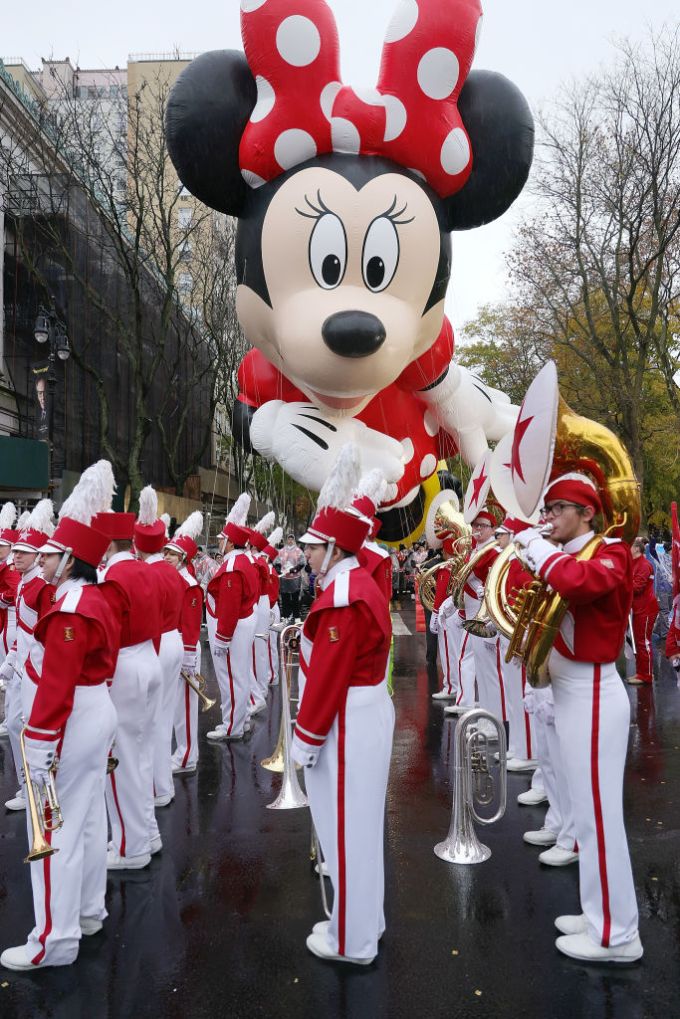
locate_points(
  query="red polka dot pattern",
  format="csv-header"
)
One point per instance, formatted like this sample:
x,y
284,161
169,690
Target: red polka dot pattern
x,y
303,109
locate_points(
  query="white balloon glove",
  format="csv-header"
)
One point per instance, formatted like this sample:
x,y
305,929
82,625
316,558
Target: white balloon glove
x,y
305,442
189,661
434,623
470,412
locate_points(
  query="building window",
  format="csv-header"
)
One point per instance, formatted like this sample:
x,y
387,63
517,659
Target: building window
x,y
183,192
185,251
184,217
185,283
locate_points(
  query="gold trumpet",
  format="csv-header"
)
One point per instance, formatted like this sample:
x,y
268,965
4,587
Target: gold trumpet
x,y
531,618
41,824
198,683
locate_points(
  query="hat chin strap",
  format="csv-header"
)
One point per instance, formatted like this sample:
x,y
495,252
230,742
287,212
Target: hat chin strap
x,y
330,549
62,566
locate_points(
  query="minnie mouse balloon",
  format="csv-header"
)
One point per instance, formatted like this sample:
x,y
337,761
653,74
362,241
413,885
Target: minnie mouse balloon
x,y
346,198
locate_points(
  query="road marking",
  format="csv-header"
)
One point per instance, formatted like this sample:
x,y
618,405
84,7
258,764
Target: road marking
x,y
399,627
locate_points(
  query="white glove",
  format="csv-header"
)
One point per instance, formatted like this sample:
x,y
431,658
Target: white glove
x,y
220,647
470,411
434,623
530,702
447,608
303,754
278,431
675,662
40,757
525,538
189,661
7,670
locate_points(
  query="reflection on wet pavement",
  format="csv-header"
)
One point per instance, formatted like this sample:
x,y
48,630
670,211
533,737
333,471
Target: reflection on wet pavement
x,y
216,925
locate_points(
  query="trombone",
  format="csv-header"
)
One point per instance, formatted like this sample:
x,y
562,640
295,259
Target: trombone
x,y
198,683
41,823
473,783
291,795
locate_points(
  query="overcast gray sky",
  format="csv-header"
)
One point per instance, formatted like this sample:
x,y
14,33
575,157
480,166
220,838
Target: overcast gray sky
x,y
537,43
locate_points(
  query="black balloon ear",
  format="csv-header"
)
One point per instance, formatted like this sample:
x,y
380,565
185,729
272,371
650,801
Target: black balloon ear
x,y
208,109
501,128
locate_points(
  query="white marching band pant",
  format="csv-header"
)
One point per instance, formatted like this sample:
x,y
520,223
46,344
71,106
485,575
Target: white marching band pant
x,y
448,644
592,718
261,648
186,722
522,739
346,789
136,695
72,882
559,817
14,720
274,644
233,671
170,656
489,675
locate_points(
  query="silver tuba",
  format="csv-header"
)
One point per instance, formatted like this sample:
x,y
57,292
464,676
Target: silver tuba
x,y
473,784
291,795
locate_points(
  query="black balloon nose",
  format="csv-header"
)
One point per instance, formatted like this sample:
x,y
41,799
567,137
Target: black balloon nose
x,y
353,333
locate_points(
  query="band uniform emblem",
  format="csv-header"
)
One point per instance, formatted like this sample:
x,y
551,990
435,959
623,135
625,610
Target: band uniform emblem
x,y
68,633
608,563
333,634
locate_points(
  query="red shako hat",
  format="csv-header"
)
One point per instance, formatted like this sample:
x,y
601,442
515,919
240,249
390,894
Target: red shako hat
x,y
513,525
335,523
75,534
117,526
272,548
487,516
235,529
8,516
37,529
578,488
258,533
372,492
149,533
184,539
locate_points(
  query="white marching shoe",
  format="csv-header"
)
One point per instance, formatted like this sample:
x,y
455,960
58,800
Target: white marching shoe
x,y
18,958
557,857
114,861
571,924
18,801
442,695
322,927
542,837
189,769
156,844
581,946
456,709
532,798
4,731
163,801
521,764
90,925
318,945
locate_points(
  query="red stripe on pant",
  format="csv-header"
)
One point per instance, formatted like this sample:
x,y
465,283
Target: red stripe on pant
x,y
342,861
47,880
121,848
271,662
187,721
460,667
231,691
501,682
527,720
597,804
448,669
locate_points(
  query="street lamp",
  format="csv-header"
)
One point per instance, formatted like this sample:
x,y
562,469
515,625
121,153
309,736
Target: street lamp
x,y
50,329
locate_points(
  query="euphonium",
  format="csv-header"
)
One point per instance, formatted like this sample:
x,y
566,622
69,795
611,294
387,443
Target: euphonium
x,y
531,618
473,783
449,524
40,823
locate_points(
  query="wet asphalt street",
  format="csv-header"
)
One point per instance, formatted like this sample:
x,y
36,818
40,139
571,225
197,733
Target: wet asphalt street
x,y
216,925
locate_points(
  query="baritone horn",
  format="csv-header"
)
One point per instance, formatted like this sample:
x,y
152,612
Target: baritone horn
x,y
41,798
291,795
473,784
198,684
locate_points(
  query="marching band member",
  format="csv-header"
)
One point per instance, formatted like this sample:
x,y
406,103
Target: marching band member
x,y
71,723
521,742
149,537
32,599
271,550
592,714
343,732
231,598
645,611
135,691
260,653
9,581
180,552
448,639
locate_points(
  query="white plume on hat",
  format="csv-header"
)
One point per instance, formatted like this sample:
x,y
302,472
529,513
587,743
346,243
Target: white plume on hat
x,y
8,515
41,518
23,520
341,483
92,494
192,526
265,525
148,506
167,519
276,537
374,486
238,514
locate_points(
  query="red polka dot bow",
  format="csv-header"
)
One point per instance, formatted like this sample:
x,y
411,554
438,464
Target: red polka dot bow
x,y
303,109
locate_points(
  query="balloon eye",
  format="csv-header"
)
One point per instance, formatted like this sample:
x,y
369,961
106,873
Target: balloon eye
x,y
381,254
328,251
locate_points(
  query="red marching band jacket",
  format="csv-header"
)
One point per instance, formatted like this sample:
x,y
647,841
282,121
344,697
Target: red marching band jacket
x,y
673,637
377,563
345,643
273,586
169,594
192,610
128,587
9,582
232,593
600,595
262,566
474,587
441,587
34,598
644,599
76,644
